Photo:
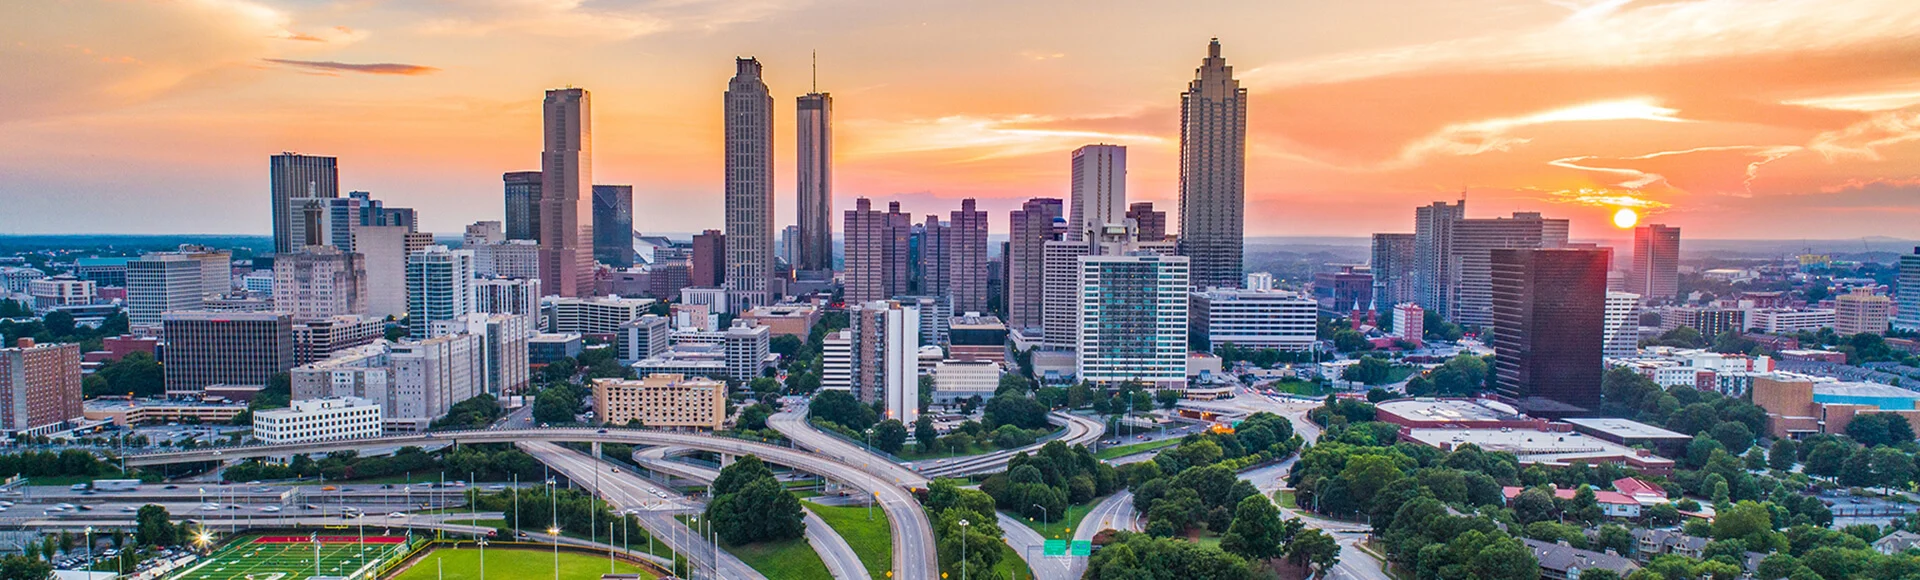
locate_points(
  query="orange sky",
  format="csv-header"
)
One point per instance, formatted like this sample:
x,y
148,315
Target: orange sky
x,y
1732,119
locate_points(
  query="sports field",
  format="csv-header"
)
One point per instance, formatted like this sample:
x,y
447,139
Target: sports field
x,y
292,558
510,563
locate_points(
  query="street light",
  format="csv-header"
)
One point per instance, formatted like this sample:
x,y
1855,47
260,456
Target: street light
x,y
963,549
555,532
1043,518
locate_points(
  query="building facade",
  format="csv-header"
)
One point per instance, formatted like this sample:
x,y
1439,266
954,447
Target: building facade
x,y
1343,292
1098,190
749,200
1133,320
1038,221
1908,288
813,248
566,190
709,259
224,348
1861,311
1254,319
641,338
598,316
40,389
293,175
1622,335
439,287
1469,287
661,401
1656,263
1549,328
504,340
876,252
319,282
883,366
1152,225
318,339
1393,270
1213,156
523,204
613,225
330,419
1432,251
967,258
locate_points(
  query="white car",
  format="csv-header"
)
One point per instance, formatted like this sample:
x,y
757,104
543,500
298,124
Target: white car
x,y
130,508
396,515
271,509
210,507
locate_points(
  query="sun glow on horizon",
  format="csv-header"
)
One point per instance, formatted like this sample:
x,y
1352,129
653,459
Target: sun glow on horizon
x,y
1626,218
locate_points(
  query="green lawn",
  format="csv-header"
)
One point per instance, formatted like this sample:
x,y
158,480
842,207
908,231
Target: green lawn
x,y
872,541
493,523
464,564
1011,567
1398,373
1057,526
912,453
1125,450
1299,387
793,559
1285,499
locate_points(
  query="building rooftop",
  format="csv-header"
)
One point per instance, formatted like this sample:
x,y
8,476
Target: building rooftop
x,y
1626,429
546,337
1859,389
1450,410
1551,448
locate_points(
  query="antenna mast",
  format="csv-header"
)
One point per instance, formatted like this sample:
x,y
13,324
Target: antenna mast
x,y
816,71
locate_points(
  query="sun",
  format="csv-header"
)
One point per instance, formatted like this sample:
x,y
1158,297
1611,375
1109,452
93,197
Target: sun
x,y
1625,218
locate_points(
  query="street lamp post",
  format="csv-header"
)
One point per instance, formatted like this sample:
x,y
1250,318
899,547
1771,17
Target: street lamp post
x,y
555,533
1044,517
963,549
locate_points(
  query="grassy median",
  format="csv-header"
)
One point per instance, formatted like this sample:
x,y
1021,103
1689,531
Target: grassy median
x,y
872,541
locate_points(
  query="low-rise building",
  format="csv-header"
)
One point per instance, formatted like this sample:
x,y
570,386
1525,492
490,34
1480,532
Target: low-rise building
x,y
1632,433
125,412
318,339
330,419
661,400
1429,412
955,380
546,348
973,336
1557,445
1798,406
794,320
601,315
1613,504
1563,562
1254,319
641,338
1789,320
1862,311
61,290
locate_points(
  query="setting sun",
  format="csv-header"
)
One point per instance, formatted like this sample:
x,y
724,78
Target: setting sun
x,y
1625,218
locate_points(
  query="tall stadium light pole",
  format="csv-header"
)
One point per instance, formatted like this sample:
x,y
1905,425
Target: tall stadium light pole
x,y
516,509
609,547
963,549
555,532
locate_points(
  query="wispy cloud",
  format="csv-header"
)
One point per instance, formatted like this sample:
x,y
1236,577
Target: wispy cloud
x,y
329,67
992,137
1498,134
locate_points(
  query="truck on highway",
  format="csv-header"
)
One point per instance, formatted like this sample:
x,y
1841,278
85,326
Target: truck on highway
x,y
116,484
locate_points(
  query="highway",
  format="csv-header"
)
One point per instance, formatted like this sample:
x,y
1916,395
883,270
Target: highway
x,y
1080,431
793,424
913,545
1354,564
833,549
1028,543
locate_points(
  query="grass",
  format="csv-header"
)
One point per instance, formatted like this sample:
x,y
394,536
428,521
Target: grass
x,y
1398,373
1011,566
1056,528
872,541
1125,450
794,559
1299,387
1285,498
493,523
464,564
292,559
912,453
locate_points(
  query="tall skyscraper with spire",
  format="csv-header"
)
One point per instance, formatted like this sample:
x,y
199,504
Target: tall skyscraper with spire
x,y
814,186
749,128
292,176
1213,158
566,194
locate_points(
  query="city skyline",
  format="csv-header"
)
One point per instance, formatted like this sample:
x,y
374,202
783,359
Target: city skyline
x,y
1346,128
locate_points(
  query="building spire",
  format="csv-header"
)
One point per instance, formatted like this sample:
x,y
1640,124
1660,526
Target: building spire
x,y
816,71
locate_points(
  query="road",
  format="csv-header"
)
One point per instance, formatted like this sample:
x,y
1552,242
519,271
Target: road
x,y
1028,543
1114,513
833,549
793,424
625,491
1080,431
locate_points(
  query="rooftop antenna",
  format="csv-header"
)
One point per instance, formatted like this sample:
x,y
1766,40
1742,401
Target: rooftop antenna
x,y
816,71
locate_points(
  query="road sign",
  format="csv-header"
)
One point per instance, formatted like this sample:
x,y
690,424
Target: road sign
x,y
1054,548
1082,548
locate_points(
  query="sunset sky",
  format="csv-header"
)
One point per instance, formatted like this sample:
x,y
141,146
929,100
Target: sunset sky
x,y
1732,119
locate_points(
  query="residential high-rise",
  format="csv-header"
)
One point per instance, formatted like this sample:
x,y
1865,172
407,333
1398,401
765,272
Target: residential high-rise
x,y
1133,320
1213,157
709,259
1029,228
749,130
294,175
1656,263
967,251
929,259
519,259
523,204
1861,311
1061,293
431,375
40,385
613,225
503,338
876,252
439,287
1099,189
480,233
236,349
1622,336
319,282
1549,328
315,340
814,186
1152,225
566,184
836,362
383,251
884,365
1432,248
509,296
1393,270
1471,239
1254,319
1908,289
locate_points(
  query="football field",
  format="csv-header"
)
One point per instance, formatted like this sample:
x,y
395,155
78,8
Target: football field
x,y
292,558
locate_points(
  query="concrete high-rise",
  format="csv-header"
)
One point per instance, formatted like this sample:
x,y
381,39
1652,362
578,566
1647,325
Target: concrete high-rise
x,y
1656,263
749,203
1393,268
884,364
814,186
1861,311
709,260
876,247
967,254
929,259
509,296
319,282
1099,189
1132,323
294,175
383,251
1470,298
1029,228
1151,225
236,349
1432,247
1907,288
523,204
566,185
439,287
322,221
1213,157
1622,336
40,384
613,225
159,283
1549,328
483,232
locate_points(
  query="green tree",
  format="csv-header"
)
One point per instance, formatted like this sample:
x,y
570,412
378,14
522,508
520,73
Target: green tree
x,y
1255,533
1313,550
1733,435
754,417
1876,429
1168,398
1782,455
152,527
24,568
1599,574
924,435
890,436
750,506
136,373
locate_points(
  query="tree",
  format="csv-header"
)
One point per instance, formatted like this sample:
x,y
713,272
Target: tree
x,y
1255,533
1313,549
750,506
890,436
840,407
1016,410
1585,506
1371,370
152,527
924,435
1782,455
1347,340
1876,429
1168,398
1599,574
59,323
557,404
754,417
24,568
1733,435
1824,458
136,373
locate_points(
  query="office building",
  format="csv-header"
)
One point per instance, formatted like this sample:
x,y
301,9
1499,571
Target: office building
x,y
709,261
318,339
566,189
482,233
836,362
1861,311
504,343
749,198
1133,319
383,251
787,248
1549,328
1393,270
1410,322
613,225
519,259
319,282
1254,319
795,320
1656,263
1472,241
1711,322
876,252
967,258
661,401
106,272
1038,221
738,353
293,175
1553,445
1060,303
813,249
1152,225
509,296
1622,335
641,338
884,361
666,280
1789,320
439,287
972,336
523,204
236,349
545,349
1260,281
40,387
1908,288
958,380
433,374
1098,193
322,221
601,316
257,283
15,278
748,350
1343,292
163,282
329,419
61,290
1213,157
1432,252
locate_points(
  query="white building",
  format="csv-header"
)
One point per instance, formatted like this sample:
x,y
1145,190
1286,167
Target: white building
x,y
162,282
14,279
509,296
62,290
1862,311
505,338
1259,281
518,259
385,250
640,339
954,380
1255,319
1909,288
1060,293
439,287
1620,336
885,357
836,362
433,374
1409,322
1098,190
714,299
1133,320
258,282
1789,320
330,419
319,282
483,232
600,315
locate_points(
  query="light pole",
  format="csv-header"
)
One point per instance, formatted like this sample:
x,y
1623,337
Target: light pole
x,y
963,549
1044,517
555,532
89,540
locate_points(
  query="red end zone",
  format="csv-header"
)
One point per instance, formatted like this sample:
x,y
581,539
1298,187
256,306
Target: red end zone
x,y
328,539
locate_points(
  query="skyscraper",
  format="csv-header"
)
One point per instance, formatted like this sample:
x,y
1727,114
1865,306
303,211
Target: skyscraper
x,y
967,252
439,287
523,204
1029,228
294,175
749,129
1622,336
1470,288
1549,319
225,348
1656,263
383,251
1132,323
930,257
566,184
1393,270
1908,292
1099,189
709,259
814,188
158,283
876,261
1152,225
1213,156
885,356
613,225
1432,244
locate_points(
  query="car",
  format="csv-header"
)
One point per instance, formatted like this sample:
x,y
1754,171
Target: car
x,y
396,515
64,506
84,508
261,489
544,425
130,508
271,509
496,487
616,470
172,487
602,431
328,488
309,507
210,507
